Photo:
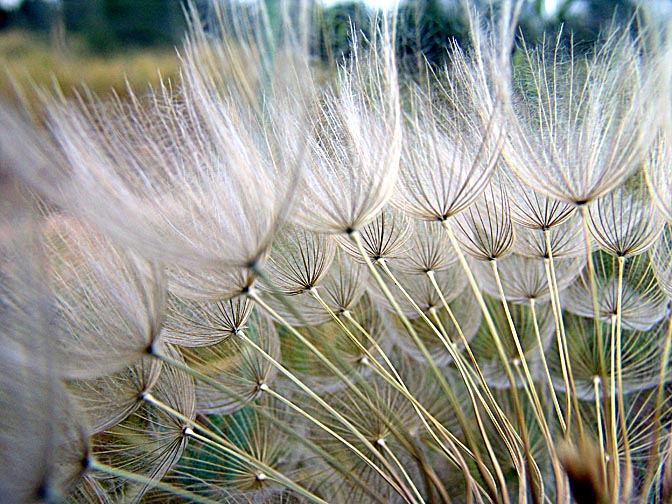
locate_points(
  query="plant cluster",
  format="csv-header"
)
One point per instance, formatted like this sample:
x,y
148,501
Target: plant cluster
x,y
267,282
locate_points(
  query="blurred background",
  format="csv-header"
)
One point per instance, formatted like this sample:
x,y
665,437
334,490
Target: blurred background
x,y
107,43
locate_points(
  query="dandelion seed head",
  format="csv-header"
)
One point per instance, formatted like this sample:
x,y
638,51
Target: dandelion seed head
x,y
578,127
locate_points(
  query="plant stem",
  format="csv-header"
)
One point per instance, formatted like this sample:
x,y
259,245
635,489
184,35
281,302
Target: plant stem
x,y
355,236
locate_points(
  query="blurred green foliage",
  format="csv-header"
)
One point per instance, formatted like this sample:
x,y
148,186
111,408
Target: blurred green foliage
x,y
105,25
424,26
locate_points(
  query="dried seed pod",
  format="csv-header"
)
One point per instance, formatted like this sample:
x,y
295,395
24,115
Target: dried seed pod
x,y
625,222
641,357
524,279
385,237
298,261
150,430
485,229
193,324
428,250
235,366
643,303
108,400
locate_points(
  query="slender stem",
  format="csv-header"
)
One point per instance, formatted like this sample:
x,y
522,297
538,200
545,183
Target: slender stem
x,y
464,372
611,432
395,381
401,489
281,425
657,413
95,465
544,363
484,308
500,349
563,346
554,462
432,278
600,430
372,341
341,439
423,414
383,444
592,279
210,381
380,371
229,448
531,387
399,385
615,464
472,357
252,294
365,351
500,421
355,236
561,343
519,349
626,477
